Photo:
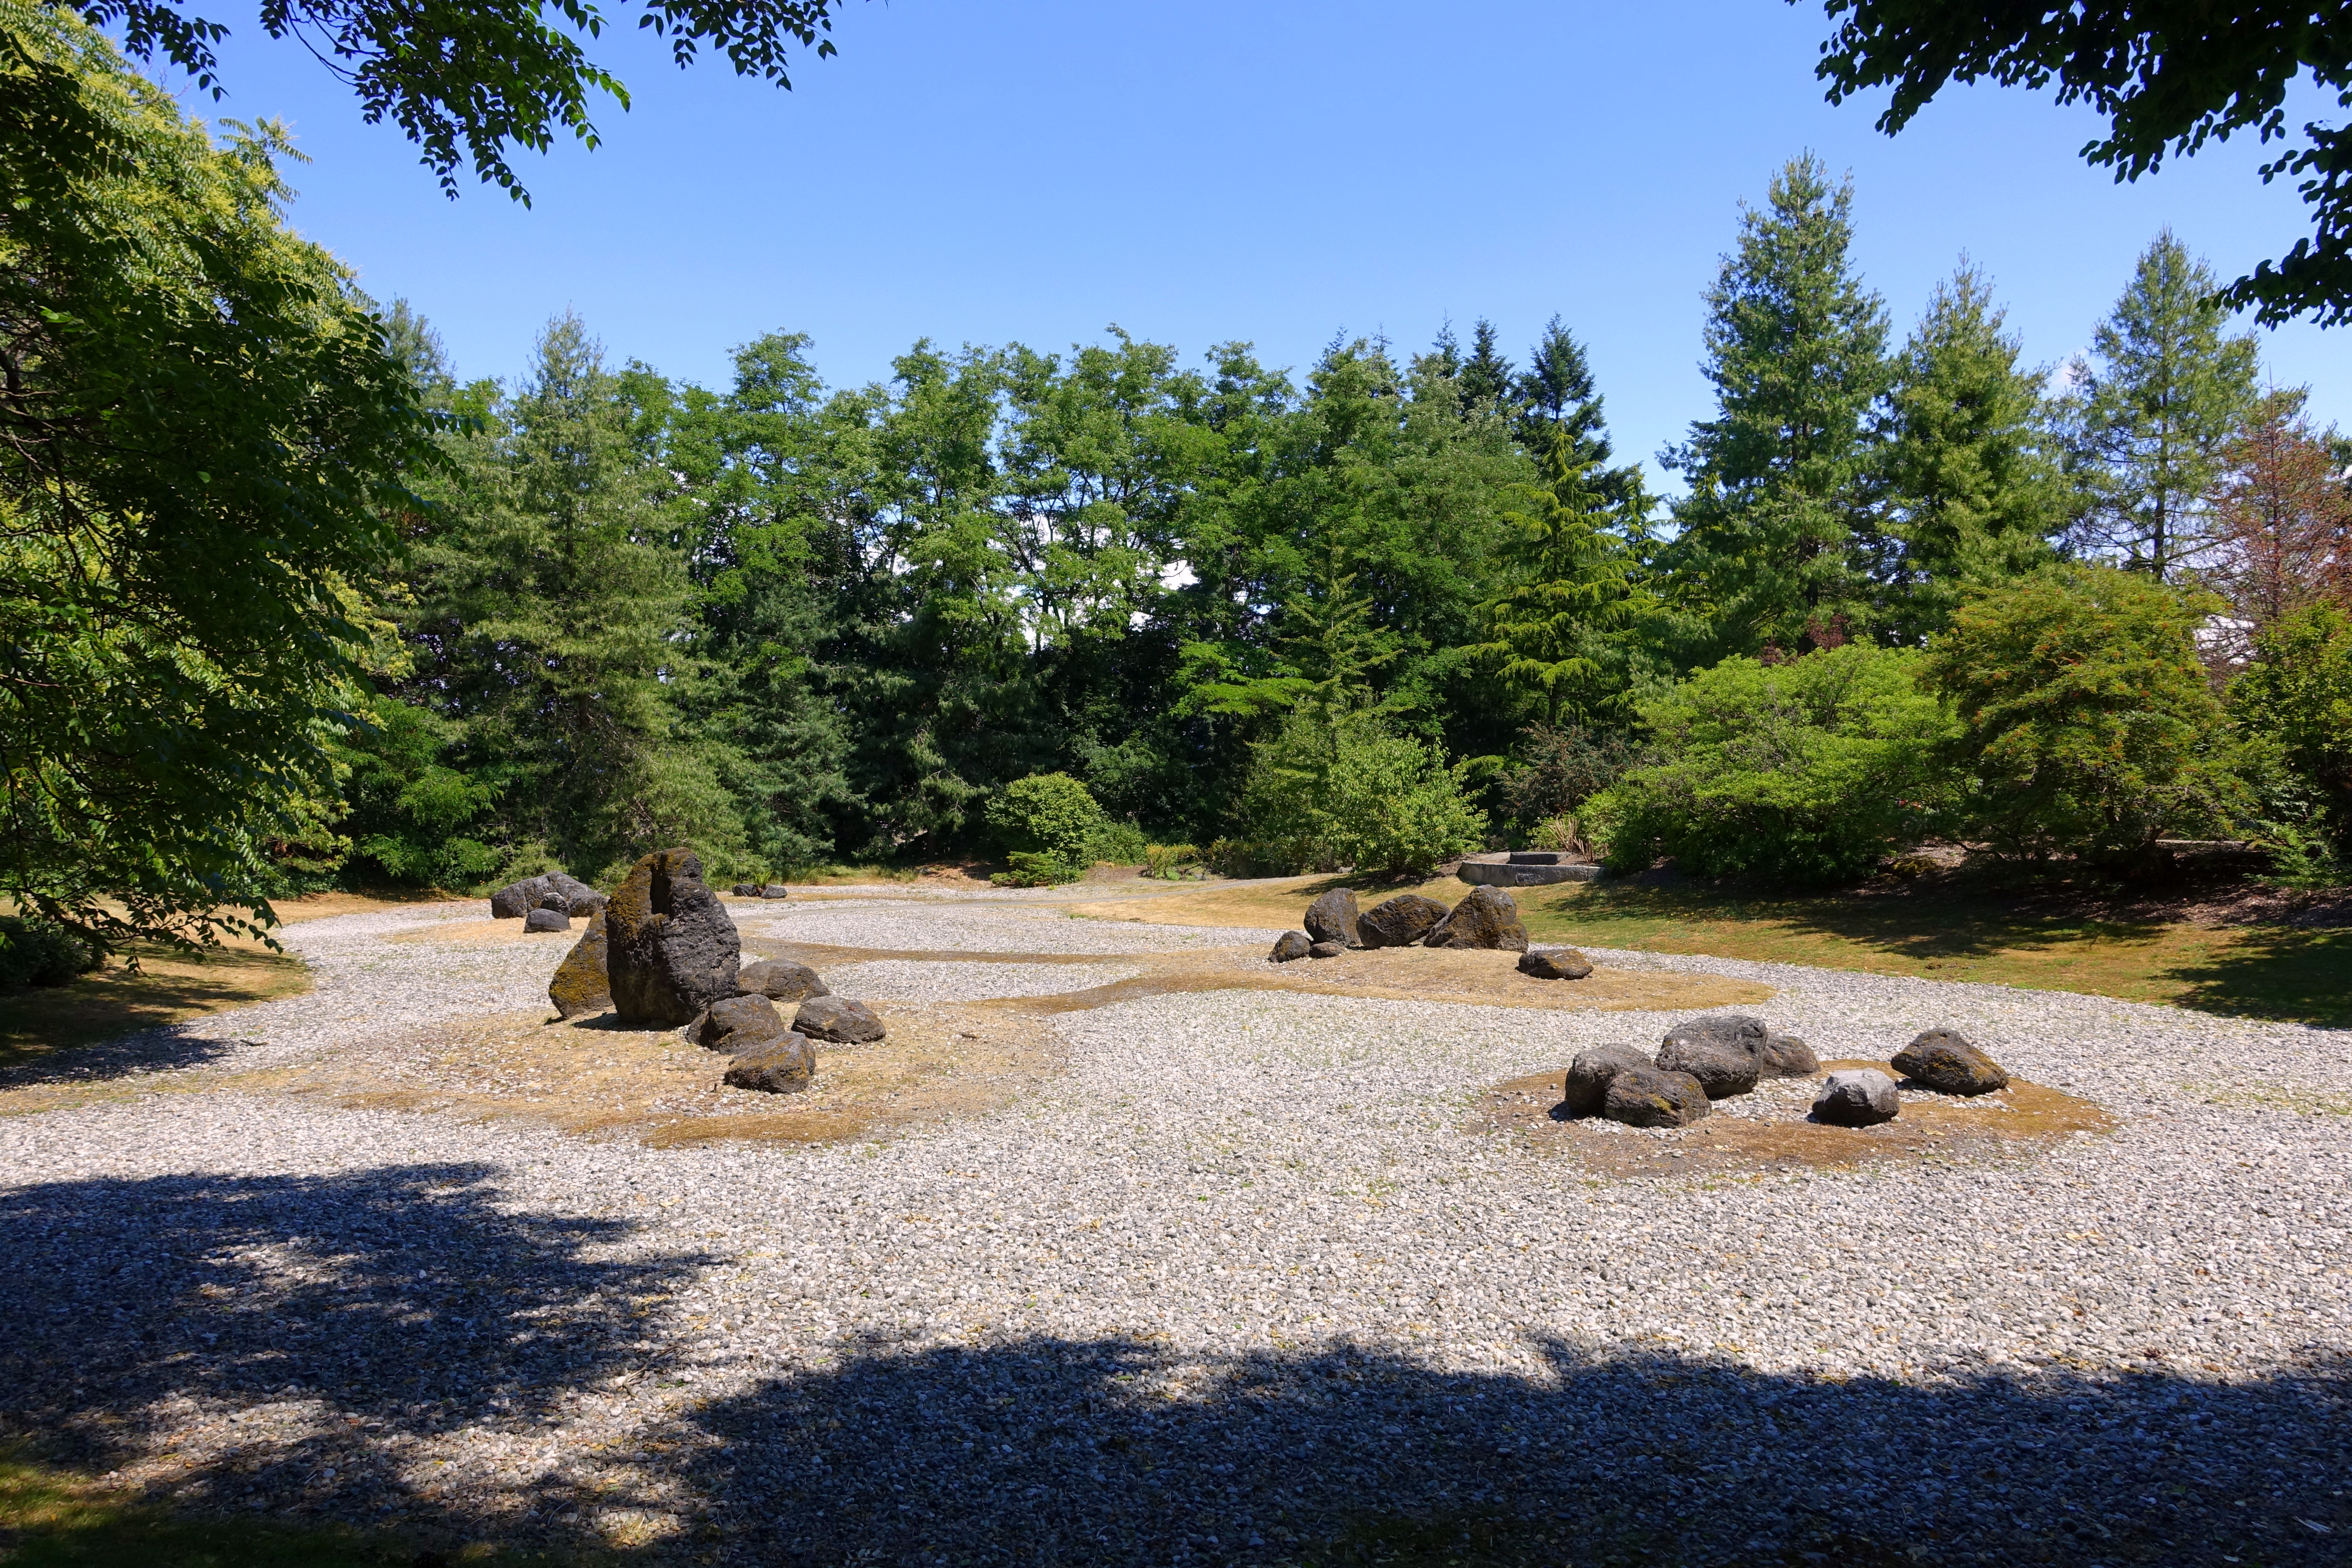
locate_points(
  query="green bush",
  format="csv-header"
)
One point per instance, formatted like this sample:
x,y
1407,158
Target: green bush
x,y
40,952
1116,843
2294,704
1040,870
2088,726
1170,861
1808,771
1047,814
1324,795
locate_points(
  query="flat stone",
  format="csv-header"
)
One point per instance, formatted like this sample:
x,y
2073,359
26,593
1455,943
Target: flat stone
x,y
1785,1055
1488,918
785,1065
1944,1060
1325,949
1289,947
578,986
1653,1096
1857,1097
1587,1088
743,891
1555,964
839,1020
1332,918
544,920
781,980
775,891
670,951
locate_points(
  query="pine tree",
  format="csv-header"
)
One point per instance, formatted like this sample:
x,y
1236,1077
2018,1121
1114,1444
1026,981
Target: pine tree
x,y
1555,395
1969,475
1768,546
1485,378
2154,410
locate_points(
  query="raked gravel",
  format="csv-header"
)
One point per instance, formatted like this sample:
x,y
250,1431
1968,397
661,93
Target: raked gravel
x,y
1235,1283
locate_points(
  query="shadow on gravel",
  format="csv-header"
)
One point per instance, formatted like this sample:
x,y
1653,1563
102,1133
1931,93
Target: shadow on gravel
x,y
404,1298
163,1049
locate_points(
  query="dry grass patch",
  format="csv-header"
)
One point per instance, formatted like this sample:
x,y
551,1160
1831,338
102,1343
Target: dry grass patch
x,y
2024,1115
169,987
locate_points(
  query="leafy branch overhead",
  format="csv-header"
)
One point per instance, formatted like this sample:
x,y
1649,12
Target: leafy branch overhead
x,y
468,82
2169,74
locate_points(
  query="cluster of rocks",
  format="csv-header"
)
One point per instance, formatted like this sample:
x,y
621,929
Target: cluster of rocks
x,y
665,953
1714,1057
1488,918
546,902
758,891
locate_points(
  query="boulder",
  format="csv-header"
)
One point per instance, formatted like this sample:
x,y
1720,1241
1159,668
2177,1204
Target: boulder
x,y
1651,1096
1785,1055
1325,950
775,891
1555,964
1400,921
519,898
785,1065
579,985
1857,1097
1588,1076
734,1024
1488,918
1943,1060
838,1019
1777,1055
743,891
670,948
1332,918
539,921
781,980
1723,1068
1290,946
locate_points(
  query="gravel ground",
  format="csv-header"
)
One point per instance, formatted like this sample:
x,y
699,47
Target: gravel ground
x,y
1234,1287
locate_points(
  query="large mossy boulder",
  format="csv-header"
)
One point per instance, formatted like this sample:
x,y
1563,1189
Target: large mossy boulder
x,y
1944,1060
580,986
1488,918
670,948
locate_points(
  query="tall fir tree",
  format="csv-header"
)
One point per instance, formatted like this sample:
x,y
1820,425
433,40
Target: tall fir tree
x,y
2153,411
1770,548
1486,377
1970,476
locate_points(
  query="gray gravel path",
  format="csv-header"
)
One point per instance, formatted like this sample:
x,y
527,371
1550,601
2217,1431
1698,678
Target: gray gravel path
x,y
1235,1284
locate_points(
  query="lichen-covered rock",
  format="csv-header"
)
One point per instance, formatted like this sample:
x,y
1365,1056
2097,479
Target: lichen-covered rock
x,y
781,980
1400,921
838,1019
1488,918
1555,964
1857,1097
670,948
1290,946
1653,1096
1332,918
1723,1068
539,922
785,1065
735,1023
1324,950
1587,1076
1944,1060
578,986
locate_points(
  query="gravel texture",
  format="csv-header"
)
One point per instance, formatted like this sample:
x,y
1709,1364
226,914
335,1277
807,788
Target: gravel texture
x,y
1235,1286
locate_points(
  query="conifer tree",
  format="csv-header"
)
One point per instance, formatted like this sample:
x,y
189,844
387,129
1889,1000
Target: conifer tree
x,y
1486,377
1768,548
2154,410
1969,475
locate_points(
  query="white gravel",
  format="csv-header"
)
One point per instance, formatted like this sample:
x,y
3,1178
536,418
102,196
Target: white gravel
x,y
1237,1283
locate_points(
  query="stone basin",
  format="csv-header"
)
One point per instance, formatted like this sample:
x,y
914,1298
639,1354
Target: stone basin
x,y
1525,869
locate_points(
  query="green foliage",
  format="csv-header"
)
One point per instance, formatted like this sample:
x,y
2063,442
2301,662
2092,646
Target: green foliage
x,y
1116,843
2294,702
1048,814
2169,75
200,437
1559,768
41,952
2088,725
408,812
1322,794
1812,770
1171,862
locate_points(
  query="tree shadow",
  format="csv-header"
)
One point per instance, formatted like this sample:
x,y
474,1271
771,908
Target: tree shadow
x,y
2278,972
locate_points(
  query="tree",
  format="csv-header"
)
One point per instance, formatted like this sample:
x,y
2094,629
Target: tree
x,y
2282,518
1767,544
2087,725
2296,700
1485,378
1969,472
2154,410
2169,74
471,81
202,440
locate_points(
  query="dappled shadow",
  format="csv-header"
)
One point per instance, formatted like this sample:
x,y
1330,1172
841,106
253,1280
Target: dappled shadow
x,y
368,1309
2277,972
114,1021
167,1048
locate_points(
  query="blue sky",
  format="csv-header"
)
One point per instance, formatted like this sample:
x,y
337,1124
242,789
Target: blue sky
x,y
1277,172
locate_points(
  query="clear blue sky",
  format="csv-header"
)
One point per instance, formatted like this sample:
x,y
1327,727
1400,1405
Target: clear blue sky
x,y
1276,171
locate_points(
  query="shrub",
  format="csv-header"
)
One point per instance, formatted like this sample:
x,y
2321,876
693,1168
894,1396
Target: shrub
x,y
1322,793
2087,724
1810,770
1116,843
1170,862
1561,768
2295,703
1037,870
1047,814
40,952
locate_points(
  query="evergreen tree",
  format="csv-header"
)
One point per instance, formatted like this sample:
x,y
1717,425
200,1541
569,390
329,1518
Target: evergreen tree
x,y
1768,547
1969,475
1485,379
2154,410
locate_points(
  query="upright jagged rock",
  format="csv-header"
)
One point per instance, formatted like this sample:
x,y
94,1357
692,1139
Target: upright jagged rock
x,y
1332,918
670,948
580,986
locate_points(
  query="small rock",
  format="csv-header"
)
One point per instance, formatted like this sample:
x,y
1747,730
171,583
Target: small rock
x,y
1857,1097
1488,918
1332,918
838,1019
1944,1060
670,948
1785,1055
1289,946
736,1024
1325,950
743,891
1400,921
775,891
1723,1068
1587,1076
546,920
1555,964
785,1065
1653,1096
579,986
781,980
